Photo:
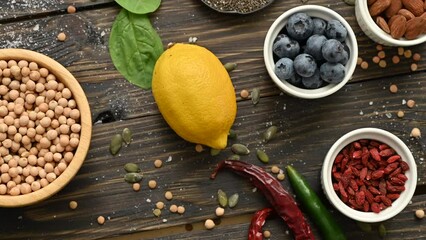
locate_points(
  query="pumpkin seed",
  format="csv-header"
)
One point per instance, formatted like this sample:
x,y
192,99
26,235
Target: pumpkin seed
x,y
270,133
222,198
382,230
233,200
214,152
232,134
365,227
234,157
240,149
116,143
263,157
255,95
131,168
157,212
230,66
127,135
133,177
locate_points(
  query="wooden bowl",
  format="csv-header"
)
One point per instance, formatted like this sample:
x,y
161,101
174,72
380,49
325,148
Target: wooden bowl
x,y
64,76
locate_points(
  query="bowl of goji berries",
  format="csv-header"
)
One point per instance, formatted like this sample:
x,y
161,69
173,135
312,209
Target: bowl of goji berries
x,y
369,175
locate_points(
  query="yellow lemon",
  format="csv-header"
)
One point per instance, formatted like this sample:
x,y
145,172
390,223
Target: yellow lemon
x,y
195,95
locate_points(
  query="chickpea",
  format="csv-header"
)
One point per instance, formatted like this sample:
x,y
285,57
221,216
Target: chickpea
x,y
51,177
3,189
44,182
74,142
15,191
5,178
25,188
35,186
66,93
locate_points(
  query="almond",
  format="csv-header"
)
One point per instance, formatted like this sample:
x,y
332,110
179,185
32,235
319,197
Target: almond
x,y
397,26
370,2
393,9
407,14
381,22
390,21
378,7
414,27
414,6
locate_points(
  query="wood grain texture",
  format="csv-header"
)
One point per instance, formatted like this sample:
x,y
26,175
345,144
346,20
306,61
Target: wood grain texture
x,y
307,128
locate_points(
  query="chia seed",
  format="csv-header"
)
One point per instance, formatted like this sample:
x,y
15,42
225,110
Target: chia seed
x,y
237,6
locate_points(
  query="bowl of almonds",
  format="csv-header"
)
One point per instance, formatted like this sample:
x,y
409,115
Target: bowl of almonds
x,y
393,22
369,175
45,127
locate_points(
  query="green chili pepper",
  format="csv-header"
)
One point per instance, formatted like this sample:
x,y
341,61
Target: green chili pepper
x,y
314,207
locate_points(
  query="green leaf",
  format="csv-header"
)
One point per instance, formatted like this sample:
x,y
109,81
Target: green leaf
x,y
139,6
134,46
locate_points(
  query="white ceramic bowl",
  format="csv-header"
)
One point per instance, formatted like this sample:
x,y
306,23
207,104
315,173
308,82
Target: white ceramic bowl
x,y
382,136
370,28
279,24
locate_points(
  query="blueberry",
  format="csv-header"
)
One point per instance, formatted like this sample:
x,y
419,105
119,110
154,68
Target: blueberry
x,y
296,80
332,72
319,26
299,26
285,47
345,58
336,30
333,51
313,81
314,46
284,69
305,65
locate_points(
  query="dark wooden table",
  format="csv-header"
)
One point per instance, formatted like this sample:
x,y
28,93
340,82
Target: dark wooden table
x,y
307,128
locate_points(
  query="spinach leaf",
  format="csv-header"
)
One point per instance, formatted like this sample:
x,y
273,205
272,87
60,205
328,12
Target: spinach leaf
x,y
134,46
139,6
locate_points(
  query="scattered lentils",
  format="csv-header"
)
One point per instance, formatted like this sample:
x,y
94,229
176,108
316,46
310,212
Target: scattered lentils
x,y
376,59
400,114
73,205
382,63
158,163
244,93
417,57
411,103
407,53
168,195
152,184
267,234
71,9
136,187
413,67
157,212
61,37
173,208
181,209
220,211
275,169
420,213
199,148
209,224
281,176
401,51
101,220
359,61
415,133
159,205
396,59
393,88
364,65
381,54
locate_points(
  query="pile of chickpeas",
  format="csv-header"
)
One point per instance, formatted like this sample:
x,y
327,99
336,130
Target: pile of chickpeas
x,y
39,127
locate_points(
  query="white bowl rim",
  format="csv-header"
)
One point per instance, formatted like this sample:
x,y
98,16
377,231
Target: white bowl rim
x,y
394,142
310,93
363,7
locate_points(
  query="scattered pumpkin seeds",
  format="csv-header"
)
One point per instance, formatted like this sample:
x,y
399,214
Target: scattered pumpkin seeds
x,y
255,95
127,136
262,156
234,157
214,152
133,177
230,66
232,134
270,133
240,149
222,198
365,227
233,200
131,168
116,143
382,230
157,212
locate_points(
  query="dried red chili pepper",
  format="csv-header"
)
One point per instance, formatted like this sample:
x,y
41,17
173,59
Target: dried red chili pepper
x,y
257,222
283,203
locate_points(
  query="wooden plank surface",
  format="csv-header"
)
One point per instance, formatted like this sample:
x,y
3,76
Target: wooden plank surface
x,y
307,128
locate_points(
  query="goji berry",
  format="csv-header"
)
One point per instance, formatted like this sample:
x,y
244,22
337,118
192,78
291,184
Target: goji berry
x,y
363,173
383,146
374,190
396,172
392,196
357,145
386,200
375,207
374,144
353,185
339,158
357,154
404,166
382,187
393,158
360,197
391,167
374,153
342,190
402,177
366,206
377,174
387,152
396,181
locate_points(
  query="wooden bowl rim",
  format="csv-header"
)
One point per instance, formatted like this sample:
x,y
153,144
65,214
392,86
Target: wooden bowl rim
x,y
64,76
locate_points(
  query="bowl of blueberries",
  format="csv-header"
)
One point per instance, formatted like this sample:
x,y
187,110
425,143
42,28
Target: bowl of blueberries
x,y
310,52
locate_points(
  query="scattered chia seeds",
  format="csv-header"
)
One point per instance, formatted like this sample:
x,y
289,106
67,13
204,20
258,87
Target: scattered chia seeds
x,y
237,6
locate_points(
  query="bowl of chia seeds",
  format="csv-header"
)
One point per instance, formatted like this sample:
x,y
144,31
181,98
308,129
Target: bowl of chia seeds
x,y
310,52
237,6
